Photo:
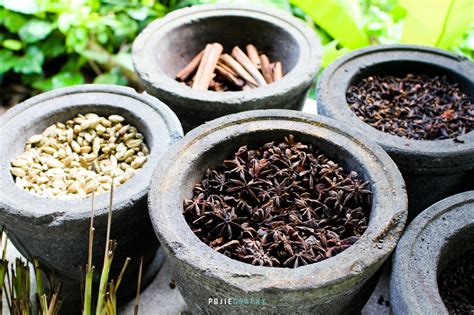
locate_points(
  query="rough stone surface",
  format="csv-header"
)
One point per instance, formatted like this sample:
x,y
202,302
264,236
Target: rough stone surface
x,y
56,231
432,170
169,43
437,236
337,285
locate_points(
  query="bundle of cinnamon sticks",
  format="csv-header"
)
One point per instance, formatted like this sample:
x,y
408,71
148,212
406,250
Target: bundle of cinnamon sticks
x,y
211,69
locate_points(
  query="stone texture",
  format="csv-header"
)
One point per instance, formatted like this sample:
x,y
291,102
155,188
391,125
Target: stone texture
x,y
337,285
169,43
56,231
432,170
436,237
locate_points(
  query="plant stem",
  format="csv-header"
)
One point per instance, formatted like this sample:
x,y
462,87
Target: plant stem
x,y
104,278
110,63
139,284
108,256
89,268
88,292
3,268
119,280
91,236
39,280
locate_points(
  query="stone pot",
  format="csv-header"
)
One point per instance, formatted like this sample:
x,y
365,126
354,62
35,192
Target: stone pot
x,y
338,285
57,231
169,43
432,170
436,238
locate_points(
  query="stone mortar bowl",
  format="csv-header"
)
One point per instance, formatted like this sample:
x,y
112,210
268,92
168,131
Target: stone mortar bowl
x,y
57,231
437,237
337,285
168,44
432,170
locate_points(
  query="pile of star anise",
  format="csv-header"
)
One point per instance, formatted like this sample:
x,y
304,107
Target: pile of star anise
x,y
282,205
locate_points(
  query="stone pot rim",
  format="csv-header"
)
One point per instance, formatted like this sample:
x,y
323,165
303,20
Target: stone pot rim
x,y
386,223
332,102
301,76
419,293
17,202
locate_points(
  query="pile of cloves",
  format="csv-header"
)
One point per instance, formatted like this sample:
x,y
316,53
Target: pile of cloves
x,y
211,69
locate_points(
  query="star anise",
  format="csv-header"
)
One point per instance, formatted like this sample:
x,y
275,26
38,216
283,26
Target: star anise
x,y
284,204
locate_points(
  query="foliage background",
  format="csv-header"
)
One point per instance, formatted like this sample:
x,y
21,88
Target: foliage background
x,y
48,44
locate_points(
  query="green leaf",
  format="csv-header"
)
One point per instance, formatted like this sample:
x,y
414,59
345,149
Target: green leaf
x,y
43,84
14,21
336,19
458,19
98,56
65,21
125,60
73,64
331,53
8,60
76,39
22,6
35,30
31,62
12,44
107,78
53,46
282,4
398,13
436,23
64,79
139,14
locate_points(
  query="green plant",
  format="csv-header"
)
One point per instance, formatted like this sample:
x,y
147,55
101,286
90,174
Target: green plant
x,y
107,295
448,24
18,285
47,44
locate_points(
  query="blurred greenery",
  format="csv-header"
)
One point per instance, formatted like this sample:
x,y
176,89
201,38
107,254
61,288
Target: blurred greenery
x,y
47,44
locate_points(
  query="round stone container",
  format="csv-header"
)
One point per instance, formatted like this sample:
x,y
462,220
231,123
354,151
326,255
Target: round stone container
x,y
57,231
432,170
432,242
338,285
168,44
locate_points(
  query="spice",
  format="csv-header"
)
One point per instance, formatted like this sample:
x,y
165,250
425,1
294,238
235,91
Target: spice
x,y
456,285
217,71
284,204
413,106
73,159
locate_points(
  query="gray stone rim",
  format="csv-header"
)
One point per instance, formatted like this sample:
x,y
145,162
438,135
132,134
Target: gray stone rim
x,y
300,77
385,227
20,203
414,287
435,154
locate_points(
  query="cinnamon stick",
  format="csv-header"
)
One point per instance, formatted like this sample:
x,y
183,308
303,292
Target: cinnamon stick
x,y
237,68
229,76
207,65
242,58
253,55
224,66
266,69
189,69
278,71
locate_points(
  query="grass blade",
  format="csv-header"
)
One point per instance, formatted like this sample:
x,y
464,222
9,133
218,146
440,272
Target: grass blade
x,y
139,285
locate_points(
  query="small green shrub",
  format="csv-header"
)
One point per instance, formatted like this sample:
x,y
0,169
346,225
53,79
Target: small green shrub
x,y
47,44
